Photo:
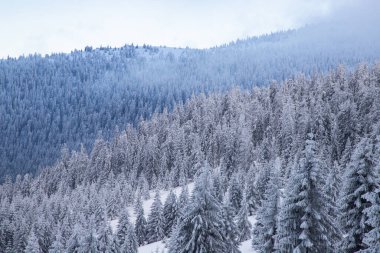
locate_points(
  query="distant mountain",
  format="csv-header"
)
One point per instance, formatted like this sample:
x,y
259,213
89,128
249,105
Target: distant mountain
x,y
47,102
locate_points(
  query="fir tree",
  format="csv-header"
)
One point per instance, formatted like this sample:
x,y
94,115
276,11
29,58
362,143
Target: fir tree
x,y
74,242
105,238
243,225
32,245
57,245
130,244
235,193
122,228
155,224
266,226
304,224
201,229
359,200
140,224
183,200
229,228
170,213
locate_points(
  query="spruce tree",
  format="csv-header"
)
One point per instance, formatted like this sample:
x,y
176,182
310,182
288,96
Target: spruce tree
x,y
201,229
122,227
140,224
229,228
183,200
359,202
130,244
32,245
73,244
105,238
170,213
242,223
235,193
266,226
57,245
155,223
304,224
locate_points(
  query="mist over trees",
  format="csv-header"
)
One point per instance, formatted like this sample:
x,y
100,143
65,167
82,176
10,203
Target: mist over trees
x,y
246,150
69,99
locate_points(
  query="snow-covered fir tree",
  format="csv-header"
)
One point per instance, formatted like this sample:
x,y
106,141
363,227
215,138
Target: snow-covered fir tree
x,y
140,223
155,222
201,228
170,212
303,223
32,244
266,227
244,226
360,200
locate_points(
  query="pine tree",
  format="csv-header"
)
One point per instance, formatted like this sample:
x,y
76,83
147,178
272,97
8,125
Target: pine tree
x,y
266,226
360,195
170,213
140,224
304,224
33,246
155,224
201,229
243,225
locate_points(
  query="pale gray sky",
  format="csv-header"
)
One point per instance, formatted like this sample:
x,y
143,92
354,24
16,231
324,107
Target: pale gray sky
x,y
46,26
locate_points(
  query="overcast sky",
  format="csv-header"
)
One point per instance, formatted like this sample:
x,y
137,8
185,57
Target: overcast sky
x,y
45,26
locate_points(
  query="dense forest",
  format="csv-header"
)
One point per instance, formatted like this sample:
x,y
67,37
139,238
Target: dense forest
x,y
47,102
302,155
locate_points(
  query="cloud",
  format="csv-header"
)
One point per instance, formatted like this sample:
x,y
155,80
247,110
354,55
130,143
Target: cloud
x,y
60,26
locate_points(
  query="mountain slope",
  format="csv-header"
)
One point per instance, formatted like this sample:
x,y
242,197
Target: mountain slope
x,y
47,102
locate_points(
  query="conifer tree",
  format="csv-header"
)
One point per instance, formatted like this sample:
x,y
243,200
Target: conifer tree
x,y
130,244
170,213
243,225
57,245
235,193
74,242
229,228
304,224
32,245
105,238
201,229
359,202
155,224
140,224
122,228
266,226
183,200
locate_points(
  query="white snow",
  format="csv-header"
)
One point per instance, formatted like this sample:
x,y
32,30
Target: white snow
x,y
153,248
148,203
159,247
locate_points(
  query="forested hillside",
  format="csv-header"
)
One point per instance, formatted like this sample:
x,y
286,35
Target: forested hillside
x,y
303,156
67,99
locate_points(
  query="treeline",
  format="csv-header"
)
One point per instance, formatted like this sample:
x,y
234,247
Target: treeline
x,y
308,142
46,102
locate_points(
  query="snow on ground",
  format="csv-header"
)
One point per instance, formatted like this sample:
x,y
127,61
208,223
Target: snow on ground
x,y
148,203
159,247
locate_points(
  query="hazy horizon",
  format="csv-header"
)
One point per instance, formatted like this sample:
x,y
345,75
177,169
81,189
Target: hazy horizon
x,y
45,27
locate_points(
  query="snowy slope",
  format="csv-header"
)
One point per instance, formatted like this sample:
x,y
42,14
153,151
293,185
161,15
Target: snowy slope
x,y
159,247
